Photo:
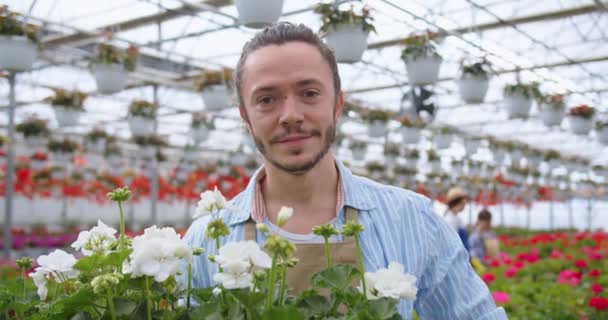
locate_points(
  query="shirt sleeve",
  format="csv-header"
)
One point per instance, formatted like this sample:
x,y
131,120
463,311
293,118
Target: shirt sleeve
x,y
195,237
476,248
448,286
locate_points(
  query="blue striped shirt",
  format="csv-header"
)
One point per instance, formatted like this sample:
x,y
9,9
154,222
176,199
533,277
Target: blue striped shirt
x,y
400,226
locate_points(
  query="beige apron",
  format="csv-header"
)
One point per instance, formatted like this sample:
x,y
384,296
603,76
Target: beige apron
x,y
312,255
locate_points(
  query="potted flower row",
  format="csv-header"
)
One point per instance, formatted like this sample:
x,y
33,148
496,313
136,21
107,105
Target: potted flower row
x,y
519,98
346,31
150,145
474,80
392,151
62,150
434,160
111,65
216,88
34,132
377,120
18,41
421,57
142,115
200,126
410,129
68,106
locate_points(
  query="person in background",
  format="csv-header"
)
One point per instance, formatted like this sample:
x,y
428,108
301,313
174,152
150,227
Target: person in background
x,y
483,241
457,199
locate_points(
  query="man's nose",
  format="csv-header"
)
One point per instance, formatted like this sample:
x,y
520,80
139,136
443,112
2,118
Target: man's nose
x,y
291,112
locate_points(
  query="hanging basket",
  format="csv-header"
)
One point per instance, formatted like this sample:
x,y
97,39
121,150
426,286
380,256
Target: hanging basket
x,y
410,135
259,14
199,134
551,117
216,97
98,146
17,53
442,141
580,125
348,41
435,165
471,146
473,89
518,105
423,70
377,129
110,78
602,135
141,126
66,117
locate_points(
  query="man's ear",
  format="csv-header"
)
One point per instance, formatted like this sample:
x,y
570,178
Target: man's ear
x,y
339,105
244,117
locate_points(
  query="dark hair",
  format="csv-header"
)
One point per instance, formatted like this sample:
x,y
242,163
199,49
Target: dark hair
x,y
279,34
484,215
456,201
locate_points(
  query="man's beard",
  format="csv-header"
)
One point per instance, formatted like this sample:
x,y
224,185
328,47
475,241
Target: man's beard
x,y
300,169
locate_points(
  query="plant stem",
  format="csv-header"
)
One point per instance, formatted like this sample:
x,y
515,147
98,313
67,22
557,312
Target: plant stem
x,y
148,302
361,267
111,305
327,252
189,285
283,284
121,242
217,250
271,280
24,284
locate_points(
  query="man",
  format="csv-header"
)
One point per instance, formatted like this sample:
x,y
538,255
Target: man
x,y
289,95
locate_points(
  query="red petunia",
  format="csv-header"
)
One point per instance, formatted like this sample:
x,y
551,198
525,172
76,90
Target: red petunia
x,y
580,264
599,303
594,273
509,273
596,288
488,277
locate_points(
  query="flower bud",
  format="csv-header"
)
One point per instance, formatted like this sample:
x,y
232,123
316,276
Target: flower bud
x,y
284,214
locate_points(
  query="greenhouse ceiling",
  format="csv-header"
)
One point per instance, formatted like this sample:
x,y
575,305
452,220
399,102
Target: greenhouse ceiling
x,y
563,44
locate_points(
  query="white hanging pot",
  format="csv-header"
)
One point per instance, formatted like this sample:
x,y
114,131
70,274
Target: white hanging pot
x,y
110,78
515,157
580,125
17,53
435,165
141,126
423,70
473,89
442,141
499,156
410,135
359,154
551,117
602,135
66,117
411,162
390,159
216,97
199,134
34,142
377,129
518,106
260,13
474,171
191,155
554,163
348,42
471,146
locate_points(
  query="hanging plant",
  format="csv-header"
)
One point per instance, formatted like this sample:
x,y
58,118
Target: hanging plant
x,y
65,146
346,31
601,130
18,41
96,135
33,127
421,57
519,98
474,80
581,119
216,88
584,111
432,155
358,145
552,109
72,100
213,78
392,150
110,66
200,119
143,108
150,140
377,120
259,14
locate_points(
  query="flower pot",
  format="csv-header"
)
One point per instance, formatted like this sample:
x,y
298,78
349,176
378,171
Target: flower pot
x,y
473,89
377,129
471,146
442,141
110,78
199,134
66,117
348,42
499,156
551,117
435,165
390,159
216,97
17,53
359,154
580,125
423,70
34,142
602,135
516,156
98,146
518,105
141,126
410,135
259,14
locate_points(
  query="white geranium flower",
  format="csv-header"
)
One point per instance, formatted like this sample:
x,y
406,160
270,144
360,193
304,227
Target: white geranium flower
x,y
235,278
211,201
216,291
284,214
247,251
58,265
391,283
157,253
40,279
98,239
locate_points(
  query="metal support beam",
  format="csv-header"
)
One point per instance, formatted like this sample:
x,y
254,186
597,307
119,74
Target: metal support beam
x,y
10,169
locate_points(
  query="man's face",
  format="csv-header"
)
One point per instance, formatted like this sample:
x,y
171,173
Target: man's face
x,y
290,105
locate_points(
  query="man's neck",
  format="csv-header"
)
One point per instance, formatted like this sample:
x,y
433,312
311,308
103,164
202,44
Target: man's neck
x,y
312,195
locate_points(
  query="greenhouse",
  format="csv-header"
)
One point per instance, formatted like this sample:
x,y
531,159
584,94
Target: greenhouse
x,y
132,131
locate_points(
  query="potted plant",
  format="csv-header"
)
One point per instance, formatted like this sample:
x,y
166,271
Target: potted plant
x,y
552,109
62,150
110,66
113,154
150,144
534,157
601,131
434,160
346,31
581,119
34,132
18,42
358,149
375,169
411,156
259,14
422,60
457,166
410,129
68,106
472,144
200,126
96,140
474,80
442,139
519,98
216,88
552,158
377,120
141,117
392,151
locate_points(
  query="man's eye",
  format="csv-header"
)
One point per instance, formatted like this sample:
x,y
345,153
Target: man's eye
x,y
265,100
310,94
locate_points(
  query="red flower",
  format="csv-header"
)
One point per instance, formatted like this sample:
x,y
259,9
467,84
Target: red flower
x,y
569,277
596,288
556,254
599,303
594,273
494,263
509,273
518,265
580,264
488,278
503,297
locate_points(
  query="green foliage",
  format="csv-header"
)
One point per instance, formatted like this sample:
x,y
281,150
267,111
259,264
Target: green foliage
x,y
332,16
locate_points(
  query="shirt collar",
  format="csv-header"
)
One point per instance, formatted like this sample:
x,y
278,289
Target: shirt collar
x,y
352,186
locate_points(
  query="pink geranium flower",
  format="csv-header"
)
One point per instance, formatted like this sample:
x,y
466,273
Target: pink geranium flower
x,y
500,297
569,277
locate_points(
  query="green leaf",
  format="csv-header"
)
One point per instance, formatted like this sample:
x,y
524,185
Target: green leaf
x,y
313,304
208,311
89,263
337,277
283,312
116,258
124,307
383,309
202,294
252,301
